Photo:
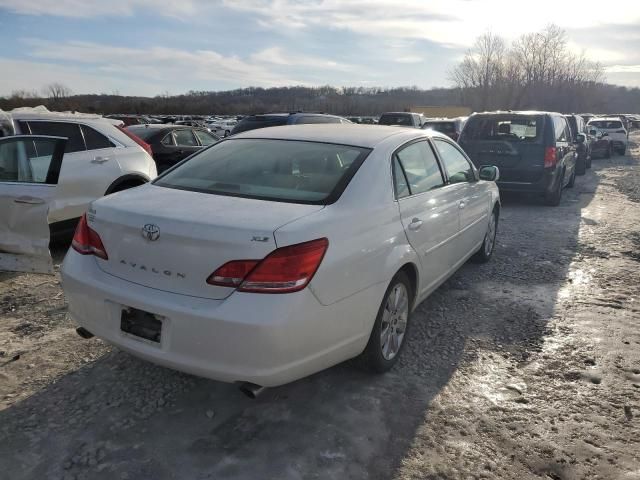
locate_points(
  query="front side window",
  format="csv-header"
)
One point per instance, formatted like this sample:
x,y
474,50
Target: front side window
x,y
268,169
26,160
71,131
455,163
420,168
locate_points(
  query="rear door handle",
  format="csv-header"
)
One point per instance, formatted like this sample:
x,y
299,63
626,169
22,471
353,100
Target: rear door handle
x,y
29,200
100,160
415,224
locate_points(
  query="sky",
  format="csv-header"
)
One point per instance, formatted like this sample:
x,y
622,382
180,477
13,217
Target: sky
x,y
151,47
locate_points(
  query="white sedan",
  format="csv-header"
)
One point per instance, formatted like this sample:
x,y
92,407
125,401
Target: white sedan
x,y
281,251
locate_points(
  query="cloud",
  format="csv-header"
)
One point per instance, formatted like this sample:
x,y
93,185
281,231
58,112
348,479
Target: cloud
x,y
276,56
159,64
623,69
102,8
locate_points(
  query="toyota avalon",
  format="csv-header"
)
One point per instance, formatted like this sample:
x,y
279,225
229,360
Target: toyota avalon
x,y
282,251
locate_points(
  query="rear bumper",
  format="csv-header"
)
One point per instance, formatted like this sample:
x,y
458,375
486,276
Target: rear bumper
x,y
264,339
546,184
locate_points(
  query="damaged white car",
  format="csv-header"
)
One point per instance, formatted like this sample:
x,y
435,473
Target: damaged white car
x,y
29,173
99,158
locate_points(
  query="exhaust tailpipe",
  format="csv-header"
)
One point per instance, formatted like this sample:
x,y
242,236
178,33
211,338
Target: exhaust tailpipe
x,y
251,390
84,333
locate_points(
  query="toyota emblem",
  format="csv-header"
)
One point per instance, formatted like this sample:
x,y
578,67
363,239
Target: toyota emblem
x,y
151,232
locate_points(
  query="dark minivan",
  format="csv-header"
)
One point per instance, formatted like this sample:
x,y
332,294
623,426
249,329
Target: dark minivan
x,y
534,151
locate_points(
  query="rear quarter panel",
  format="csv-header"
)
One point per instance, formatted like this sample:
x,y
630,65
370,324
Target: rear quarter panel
x,y
367,243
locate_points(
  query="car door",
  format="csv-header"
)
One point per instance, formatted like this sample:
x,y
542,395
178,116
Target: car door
x,y
29,171
86,174
474,200
428,210
186,144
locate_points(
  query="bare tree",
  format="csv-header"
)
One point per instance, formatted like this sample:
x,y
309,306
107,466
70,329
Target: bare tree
x,y
56,91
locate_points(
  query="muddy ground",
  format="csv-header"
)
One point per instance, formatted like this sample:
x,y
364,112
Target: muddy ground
x,y
526,367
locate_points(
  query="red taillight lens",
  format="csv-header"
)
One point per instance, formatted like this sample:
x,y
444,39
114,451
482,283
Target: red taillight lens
x,y
550,157
86,241
231,274
285,270
138,140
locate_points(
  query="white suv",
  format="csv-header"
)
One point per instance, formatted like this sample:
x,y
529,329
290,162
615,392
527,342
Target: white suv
x,y
100,158
614,128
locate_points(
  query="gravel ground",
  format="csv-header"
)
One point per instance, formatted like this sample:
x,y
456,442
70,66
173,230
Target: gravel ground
x,y
526,367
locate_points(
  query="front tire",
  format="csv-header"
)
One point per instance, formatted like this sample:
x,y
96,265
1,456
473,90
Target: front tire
x,y
389,332
572,180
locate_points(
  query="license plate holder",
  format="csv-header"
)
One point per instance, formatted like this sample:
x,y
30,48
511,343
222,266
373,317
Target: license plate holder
x,y
141,325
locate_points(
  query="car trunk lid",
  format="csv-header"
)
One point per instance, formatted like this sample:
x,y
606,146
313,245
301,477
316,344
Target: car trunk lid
x,y
172,240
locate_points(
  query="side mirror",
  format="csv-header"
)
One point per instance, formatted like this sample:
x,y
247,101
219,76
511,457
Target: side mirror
x,y
489,173
580,138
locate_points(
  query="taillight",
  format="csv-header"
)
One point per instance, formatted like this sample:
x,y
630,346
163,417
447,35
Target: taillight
x,y
285,270
138,140
550,157
86,241
231,274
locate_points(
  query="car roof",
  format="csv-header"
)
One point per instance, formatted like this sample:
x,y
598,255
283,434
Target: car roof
x,y
517,112
367,136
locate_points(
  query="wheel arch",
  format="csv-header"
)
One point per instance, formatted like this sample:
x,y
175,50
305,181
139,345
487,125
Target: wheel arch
x,y
132,179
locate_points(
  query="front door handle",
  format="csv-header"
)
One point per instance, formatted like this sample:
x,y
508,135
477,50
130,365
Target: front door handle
x,y
461,205
100,160
415,224
29,200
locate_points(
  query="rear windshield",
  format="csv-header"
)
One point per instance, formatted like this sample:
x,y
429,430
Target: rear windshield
x,y
515,128
280,170
251,123
395,119
606,124
444,127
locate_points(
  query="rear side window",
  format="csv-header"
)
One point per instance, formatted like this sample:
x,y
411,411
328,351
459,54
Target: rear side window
x,y
281,170
512,128
94,139
168,140
420,169
396,119
316,119
184,138
71,131
455,163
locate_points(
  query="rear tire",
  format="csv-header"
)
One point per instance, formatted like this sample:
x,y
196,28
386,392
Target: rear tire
x,y
589,161
392,322
553,199
607,154
581,166
488,245
623,151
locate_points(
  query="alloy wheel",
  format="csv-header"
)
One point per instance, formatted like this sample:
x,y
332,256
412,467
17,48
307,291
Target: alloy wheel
x,y
394,321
